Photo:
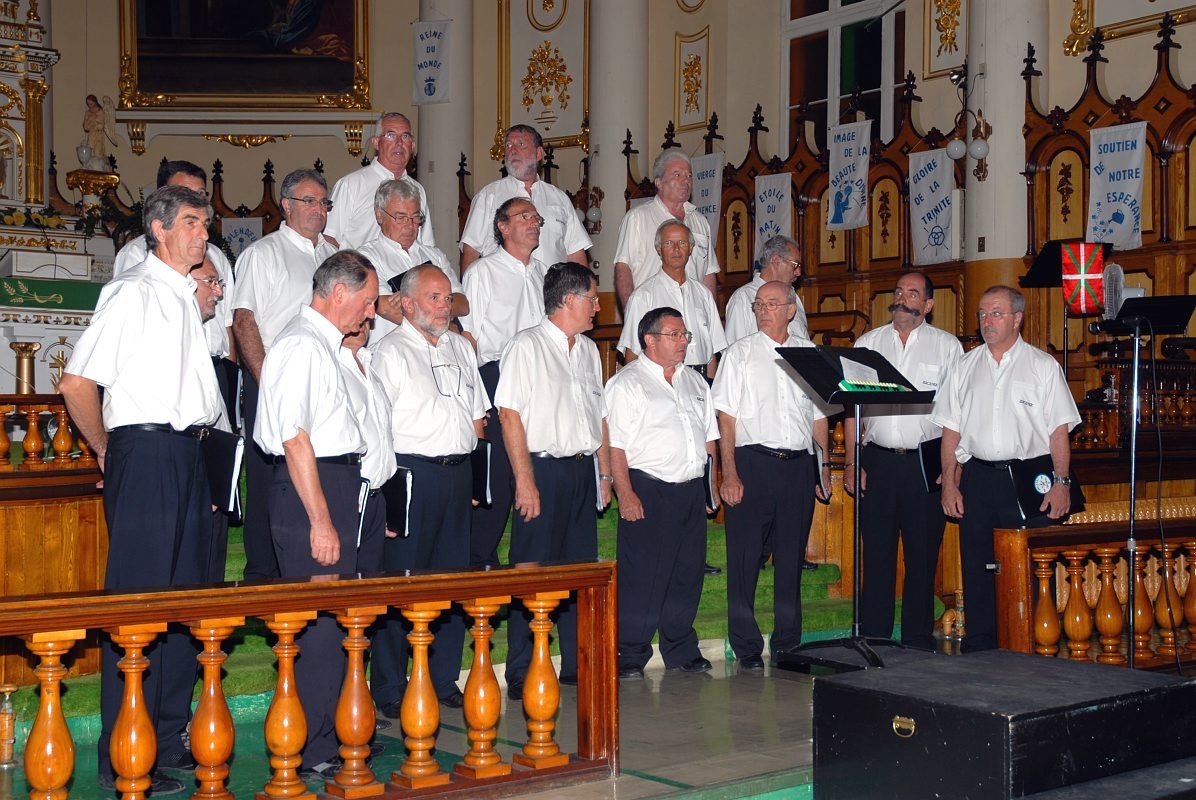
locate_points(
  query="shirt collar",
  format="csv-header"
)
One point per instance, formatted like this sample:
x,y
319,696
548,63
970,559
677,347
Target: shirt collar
x,y
162,272
328,332
298,239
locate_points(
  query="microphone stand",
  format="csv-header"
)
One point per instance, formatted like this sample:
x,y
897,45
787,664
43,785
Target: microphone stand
x,y
1131,542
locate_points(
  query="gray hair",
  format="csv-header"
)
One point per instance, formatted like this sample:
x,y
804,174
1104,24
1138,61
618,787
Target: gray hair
x,y
346,266
387,190
164,205
673,223
528,129
1017,300
563,279
776,247
662,161
412,277
391,115
296,177
790,295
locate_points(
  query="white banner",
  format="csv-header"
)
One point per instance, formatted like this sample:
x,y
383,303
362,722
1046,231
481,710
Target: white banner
x,y
774,208
1118,156
708,188
851,147
931,181
240,232
430,81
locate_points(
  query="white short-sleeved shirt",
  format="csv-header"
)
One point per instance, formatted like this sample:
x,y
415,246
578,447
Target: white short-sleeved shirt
x,y
741,320
305,386
1007,410
557,391
145,346
368,394
762,392
697,307
927,357
274,278
637,241
662,426
391,260
216,329
561,234
352,222
505,297
435,392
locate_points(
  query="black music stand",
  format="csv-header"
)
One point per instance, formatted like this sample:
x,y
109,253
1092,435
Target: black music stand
x,y
1161,315
822,370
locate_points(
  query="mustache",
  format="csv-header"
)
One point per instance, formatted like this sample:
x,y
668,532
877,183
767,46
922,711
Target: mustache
x,y
899,306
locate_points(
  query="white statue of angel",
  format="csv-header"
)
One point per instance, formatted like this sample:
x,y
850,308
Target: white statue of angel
x,y
99,129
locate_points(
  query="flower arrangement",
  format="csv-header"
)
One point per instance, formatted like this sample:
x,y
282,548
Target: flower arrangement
x,y
27,217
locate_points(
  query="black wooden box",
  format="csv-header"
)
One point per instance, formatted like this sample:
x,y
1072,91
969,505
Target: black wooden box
x,y
992,725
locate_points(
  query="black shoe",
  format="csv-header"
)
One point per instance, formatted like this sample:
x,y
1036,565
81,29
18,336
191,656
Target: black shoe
x,y
453,700
806,564
515,690
751,664
376,748
568,679
699,664
160,783
392,710
710,569
179,760
630,673
382,723
324,771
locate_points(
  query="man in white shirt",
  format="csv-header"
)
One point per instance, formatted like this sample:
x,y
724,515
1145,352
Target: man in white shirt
x,y
768,428
635,258
554,422
146,437
662,431
893,500
780,260
506,295
350,220
312,424
1005,402
563,237
430,375
397,211
275,283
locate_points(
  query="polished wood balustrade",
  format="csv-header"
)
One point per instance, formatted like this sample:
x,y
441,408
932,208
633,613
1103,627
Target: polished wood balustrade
x,y
1069,583
51,625
43,418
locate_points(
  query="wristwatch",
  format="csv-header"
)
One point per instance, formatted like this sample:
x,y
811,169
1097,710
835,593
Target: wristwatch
x,y
1063,479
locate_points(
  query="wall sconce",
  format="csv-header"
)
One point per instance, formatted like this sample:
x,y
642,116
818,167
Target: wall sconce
x,y
592,202
978,149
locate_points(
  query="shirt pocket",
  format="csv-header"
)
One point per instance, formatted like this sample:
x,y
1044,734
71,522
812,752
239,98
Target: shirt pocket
x,y
927,377
701,253
1026,398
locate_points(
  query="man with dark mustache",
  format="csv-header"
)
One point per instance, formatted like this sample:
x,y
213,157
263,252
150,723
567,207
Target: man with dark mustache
x,y
892,497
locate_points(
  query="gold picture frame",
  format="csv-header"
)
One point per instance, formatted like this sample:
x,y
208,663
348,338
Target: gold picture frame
x,y
691,80
944,36
1084,21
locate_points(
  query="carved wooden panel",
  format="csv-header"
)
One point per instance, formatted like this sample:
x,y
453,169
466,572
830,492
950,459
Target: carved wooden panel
x,y
885,227
1068,188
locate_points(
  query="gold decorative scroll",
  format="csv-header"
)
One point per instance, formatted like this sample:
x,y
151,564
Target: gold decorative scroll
x,y
540,14
547,81
247,140
1084,22
944,36
691,84
946,22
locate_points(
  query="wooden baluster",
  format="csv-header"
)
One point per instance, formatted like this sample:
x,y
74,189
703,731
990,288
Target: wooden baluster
x,y
134,745
1046,615
420,712
483,698
212,730
355,716
541,691
34,444
87,459
1110,620
286,725
1143,610
62,442
49,751
1102,429
1167,607
1077,617
5,442
1190,596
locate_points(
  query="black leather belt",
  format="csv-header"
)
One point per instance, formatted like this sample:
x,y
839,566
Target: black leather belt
x,y
572,457
444,461
200,432
784,455
901,451
348,459
374,493
993,464
649,477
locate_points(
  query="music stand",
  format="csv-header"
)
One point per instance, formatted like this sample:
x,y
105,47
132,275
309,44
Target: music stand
x,y
1161,315
1046,272
822,368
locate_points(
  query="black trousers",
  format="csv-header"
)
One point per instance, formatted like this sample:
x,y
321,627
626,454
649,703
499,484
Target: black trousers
x,y
321,664
489,523
989,501
773,518
157,505
566,530
438,519
897,505
660,571
260,559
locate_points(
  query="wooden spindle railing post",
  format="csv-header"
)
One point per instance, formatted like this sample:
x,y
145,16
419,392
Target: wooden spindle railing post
x,y
5,442
541,691
1110,621
1143,610
1077,617
49,751
483,697
1046,614
62,442
1168,612
34,444
420,714
286,725
1190,596
134,745
87,459
355,716
212,732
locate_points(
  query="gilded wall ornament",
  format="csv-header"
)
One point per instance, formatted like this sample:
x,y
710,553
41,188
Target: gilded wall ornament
x,y
547,80
246,140
946,22
691,76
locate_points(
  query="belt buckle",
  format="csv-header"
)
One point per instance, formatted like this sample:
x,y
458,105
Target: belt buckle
x,y
203,433
901,451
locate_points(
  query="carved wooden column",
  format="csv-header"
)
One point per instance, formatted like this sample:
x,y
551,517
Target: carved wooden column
x,y
5,442
1168,612
134,745
1110,620
49,751
1190,596
355,711
286,725
1143,611
34,444
420,713
1046,615
62,441
212,730
541,691
483,698
1077,617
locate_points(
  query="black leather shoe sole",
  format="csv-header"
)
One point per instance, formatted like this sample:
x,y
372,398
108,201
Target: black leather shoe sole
x,y
751,664
710,569
454,700
809,565
631,674
699,664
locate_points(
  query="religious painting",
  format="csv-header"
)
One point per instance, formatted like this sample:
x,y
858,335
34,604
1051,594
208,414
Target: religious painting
x,y
1119,18
691,79
223,54
544,70
944,37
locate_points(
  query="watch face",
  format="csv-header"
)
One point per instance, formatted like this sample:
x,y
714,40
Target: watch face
x,y
1042,483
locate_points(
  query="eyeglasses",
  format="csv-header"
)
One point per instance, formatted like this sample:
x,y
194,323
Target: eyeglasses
x,y
771,305
405,219
322,202
675,335
393,136
995,316
795,264
528,216
675,244
213,283
593,298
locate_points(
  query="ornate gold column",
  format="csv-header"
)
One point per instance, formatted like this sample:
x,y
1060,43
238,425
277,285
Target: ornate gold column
x,y
35,185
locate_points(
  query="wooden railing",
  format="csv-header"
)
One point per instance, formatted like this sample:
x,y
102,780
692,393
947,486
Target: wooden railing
x,y
44,419
50,625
